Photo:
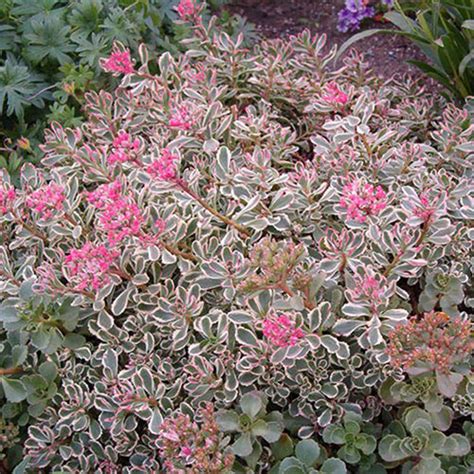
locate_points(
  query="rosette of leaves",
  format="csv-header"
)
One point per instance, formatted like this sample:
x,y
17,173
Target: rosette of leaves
x,y
422,389
443,289
416,444
306,457
46,323
350,436
252,424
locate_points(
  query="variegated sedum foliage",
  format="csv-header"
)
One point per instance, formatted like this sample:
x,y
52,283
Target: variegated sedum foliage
x,y
251,262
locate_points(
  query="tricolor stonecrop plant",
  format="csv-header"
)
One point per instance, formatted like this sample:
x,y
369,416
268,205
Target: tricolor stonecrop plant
x,y
221,270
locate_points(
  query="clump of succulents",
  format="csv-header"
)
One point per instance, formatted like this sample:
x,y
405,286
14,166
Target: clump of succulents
x,y
235,247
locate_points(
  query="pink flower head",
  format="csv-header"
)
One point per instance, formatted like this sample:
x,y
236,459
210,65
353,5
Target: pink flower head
x,y
334,95
196,75
181,118
165,167
186,452
119,62
435,340
120,219
281,331
187,10
88,268
362,200
124,147
104,194
7,198
47,200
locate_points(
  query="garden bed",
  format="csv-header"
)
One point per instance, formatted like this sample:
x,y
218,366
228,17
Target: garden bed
x,y
387,55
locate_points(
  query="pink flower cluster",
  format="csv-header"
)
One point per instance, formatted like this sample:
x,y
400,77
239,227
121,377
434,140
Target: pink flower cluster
x,y
123,147
89,267
334,95
362,200
118,61
281,331
165,167
7,198
187,10
121,219
104,194
435,340
181,118
47,200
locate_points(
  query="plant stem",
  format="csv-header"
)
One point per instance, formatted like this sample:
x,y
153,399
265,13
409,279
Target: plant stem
x,y
213,211
178,253
11,371
9,277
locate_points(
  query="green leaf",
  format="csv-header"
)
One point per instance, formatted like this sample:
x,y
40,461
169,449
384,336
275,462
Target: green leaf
x,y
155,421
334,434
390,449
283,447
251,404
291,466
49,39
357,37
308,451
247,337
333,466
228,420
20,88
448,383
48,370
243,445
15,391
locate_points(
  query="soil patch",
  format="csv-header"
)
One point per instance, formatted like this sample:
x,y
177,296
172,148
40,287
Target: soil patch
x,y
386,54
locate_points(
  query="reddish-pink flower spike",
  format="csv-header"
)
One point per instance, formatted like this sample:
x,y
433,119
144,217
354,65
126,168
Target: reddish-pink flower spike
x,y
281,331
7,198
362,200
47,201
164,168
187,10
334,95
118,62
88,268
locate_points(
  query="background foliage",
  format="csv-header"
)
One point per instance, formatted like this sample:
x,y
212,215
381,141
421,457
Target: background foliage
x,y
444,31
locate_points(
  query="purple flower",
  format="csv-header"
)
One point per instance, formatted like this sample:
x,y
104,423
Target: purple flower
x,y
351,16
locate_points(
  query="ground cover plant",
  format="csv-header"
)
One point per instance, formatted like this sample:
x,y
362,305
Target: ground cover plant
x,y
248,261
